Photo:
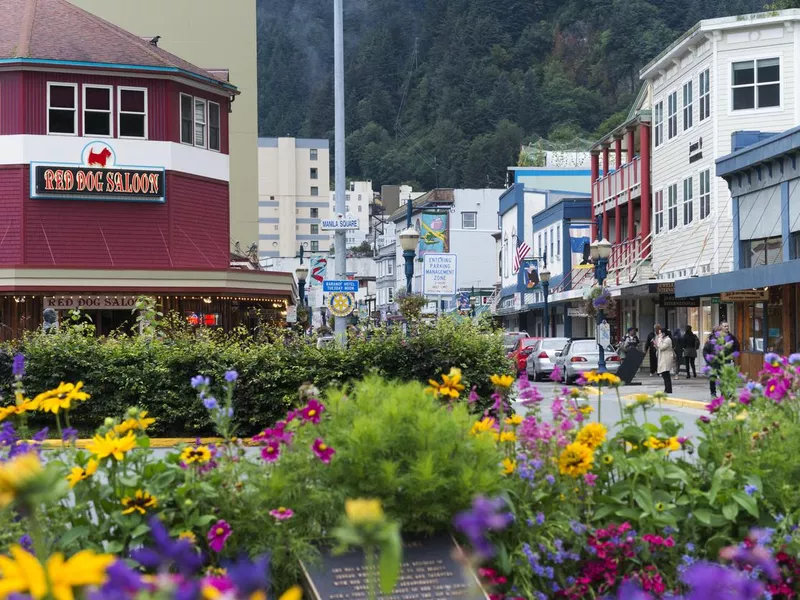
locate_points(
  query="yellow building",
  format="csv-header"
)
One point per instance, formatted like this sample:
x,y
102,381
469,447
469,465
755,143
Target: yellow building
x,y
214,35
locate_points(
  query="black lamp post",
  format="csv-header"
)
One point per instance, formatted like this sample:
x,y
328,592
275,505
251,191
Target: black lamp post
x,y
408,242
600,251
302,273
544,277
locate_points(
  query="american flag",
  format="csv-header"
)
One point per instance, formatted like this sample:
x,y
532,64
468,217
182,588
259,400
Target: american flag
x,y
522,251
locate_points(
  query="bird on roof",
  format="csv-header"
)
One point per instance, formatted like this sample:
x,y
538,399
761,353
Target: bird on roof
x,y
154,41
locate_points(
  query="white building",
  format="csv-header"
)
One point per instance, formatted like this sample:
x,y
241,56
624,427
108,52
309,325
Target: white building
x,y
293,192
727,75
358,198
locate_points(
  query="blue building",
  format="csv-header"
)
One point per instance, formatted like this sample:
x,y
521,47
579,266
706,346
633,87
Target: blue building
x,y
764,180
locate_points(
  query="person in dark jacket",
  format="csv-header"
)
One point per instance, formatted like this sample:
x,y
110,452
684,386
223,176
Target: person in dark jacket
x,y
713,360
650,347
729,337
691,343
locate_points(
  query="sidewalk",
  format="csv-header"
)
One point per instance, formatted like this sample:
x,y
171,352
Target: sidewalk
x,y
688,392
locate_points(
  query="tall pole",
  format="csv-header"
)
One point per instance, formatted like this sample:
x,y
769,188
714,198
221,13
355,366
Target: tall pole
x,y
600,276
546,289
408,255
340,239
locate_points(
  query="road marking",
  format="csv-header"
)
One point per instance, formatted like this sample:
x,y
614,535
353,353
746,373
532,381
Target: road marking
x,y
683,402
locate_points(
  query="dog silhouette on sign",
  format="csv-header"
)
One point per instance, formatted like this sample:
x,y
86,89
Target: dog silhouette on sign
x,y
98,159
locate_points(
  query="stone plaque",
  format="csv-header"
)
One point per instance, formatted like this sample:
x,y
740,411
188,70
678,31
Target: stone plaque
x,y
429,572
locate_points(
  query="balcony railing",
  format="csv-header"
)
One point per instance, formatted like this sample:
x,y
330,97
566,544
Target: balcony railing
x,y
617,183
625,265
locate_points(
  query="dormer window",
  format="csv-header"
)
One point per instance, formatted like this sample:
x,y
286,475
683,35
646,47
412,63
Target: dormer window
x,y
200,122
62,108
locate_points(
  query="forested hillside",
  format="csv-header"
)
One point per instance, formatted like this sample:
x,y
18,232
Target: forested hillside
x,y
442,92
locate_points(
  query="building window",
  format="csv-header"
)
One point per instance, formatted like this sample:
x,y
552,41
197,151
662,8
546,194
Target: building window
x,y
314,213
314,229
756,84
359,208
672,115
314,190
277,227
186,120
391,295
314,246
544,248
213,126
704,95
132,103
672,207
97,110
312,154
62,108
688,200
794,249
658,136
705,194
766,251
558,241
552,243
539,246
314,173
391,268
659,211
688,105
469,220
200,122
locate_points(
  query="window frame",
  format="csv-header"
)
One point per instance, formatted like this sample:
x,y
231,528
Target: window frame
x,y
471,213
313,173
313,154
688,203
755,85
658,212
672,207
311,193
705,199
75,123
120,89
314,246
180,115
314,228
704,95
314,213
672,117
209,125
204,102
658,124
111,107
688,109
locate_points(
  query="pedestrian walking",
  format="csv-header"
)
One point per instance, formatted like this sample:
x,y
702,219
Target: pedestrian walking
x,y
651,352
691,343
631,341
677,346
666,356
729,337
713,360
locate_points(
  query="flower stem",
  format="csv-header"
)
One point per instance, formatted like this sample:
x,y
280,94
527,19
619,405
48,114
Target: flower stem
x,y
372,572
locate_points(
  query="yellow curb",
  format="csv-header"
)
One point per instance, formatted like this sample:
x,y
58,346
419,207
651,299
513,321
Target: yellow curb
x,y
154,442
671,402
591,390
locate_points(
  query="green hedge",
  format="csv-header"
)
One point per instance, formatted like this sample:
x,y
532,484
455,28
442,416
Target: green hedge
x,y
122,371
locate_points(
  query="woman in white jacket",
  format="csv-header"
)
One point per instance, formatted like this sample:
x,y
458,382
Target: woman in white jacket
x,y
666,357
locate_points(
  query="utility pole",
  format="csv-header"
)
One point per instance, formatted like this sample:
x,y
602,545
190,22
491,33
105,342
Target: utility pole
x,y
340,239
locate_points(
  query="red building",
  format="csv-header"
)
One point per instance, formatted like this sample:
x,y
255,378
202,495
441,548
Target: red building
x,y
113,176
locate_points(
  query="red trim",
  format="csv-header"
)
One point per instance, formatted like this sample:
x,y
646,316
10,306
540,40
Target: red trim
x,y
150,290
644,141
124,269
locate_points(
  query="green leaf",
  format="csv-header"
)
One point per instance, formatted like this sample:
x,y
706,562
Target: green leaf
x,y
73,534
703,515
390,561
629,513
143,441
730,510
205,520
643,498
140,530
603,512
746,502
129,481
114,547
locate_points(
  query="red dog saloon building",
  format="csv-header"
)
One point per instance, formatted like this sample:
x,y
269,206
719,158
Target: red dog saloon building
x,y
114,177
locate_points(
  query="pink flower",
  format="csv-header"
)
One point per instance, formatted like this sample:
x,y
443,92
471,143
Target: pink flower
x,y
281,513
323,452
271,451
745,397
590,479
776,389
715,404
218,535
581,380
566,425
291,415
556,374
278,434
312,411
473,395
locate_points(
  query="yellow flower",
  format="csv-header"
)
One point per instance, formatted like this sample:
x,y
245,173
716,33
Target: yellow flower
x,y
592,435
592,377
575,393
653,443
79,474
502,381
293,593
23,406
610,379
200,455
586,410
363,511
61,398
608,459
482,426
451,384
742,415
141,502
575,460
141,422
514,420
672,445
23,573
111,445
509,466
16,474
642,398
505,436
188,536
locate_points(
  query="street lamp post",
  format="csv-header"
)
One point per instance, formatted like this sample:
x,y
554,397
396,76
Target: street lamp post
x,y
544,277
408,242
302,273
600,251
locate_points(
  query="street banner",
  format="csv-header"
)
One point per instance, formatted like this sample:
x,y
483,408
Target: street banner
x,y
319,269
433,233
530,267
579,240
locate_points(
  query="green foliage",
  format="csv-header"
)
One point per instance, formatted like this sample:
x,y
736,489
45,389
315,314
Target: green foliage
x,y
122,371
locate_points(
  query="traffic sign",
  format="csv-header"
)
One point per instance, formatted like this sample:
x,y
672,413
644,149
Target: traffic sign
x,y
340,285
339,224
439,274
341,304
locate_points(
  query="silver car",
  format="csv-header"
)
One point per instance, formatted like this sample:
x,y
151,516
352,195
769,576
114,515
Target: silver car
x,y
581,356
542,358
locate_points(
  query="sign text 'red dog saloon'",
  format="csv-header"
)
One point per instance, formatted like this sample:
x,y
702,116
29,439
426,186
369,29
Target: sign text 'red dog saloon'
x,y
65,182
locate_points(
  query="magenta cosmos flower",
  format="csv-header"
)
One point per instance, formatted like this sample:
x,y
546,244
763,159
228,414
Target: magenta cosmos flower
x,y
312,411
282,513
776,389
323,452
271,451
218,535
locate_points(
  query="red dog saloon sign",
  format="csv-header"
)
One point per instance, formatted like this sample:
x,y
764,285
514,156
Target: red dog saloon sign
x,y
97,177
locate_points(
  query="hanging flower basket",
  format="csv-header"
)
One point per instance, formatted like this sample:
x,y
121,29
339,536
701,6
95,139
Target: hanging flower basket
x,y
599,298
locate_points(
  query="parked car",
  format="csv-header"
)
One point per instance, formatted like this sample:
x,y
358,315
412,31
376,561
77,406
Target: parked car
x,y
521,351
543,355
510,339
581,356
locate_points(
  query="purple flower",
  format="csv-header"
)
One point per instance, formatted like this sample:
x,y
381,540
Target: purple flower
x,y
68,434
772,359
794,359
630,590
123,583
484,517
26,541
8,435
704,419
550,479
590,479
41,435
272,451
473,395
323,451
539,518
776,389
218,535
200,381
312,411
556,374
231,376
249,577
750,489
745,397
18,367
210,403
709,581
715,404
166,552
